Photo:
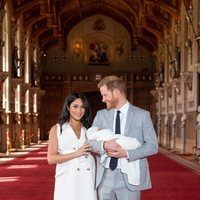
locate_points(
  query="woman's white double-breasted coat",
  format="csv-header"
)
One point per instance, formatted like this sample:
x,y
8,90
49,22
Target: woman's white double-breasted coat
x,y
74,179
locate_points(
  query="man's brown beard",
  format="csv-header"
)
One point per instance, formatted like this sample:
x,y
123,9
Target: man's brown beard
x,y
113,103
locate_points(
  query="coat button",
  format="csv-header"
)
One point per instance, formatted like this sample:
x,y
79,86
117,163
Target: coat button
x,y
88,169
78,169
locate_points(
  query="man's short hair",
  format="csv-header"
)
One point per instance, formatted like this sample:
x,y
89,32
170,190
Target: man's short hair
x,y
113,82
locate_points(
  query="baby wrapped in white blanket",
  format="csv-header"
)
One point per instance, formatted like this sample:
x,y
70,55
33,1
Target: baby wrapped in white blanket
x,y
132,169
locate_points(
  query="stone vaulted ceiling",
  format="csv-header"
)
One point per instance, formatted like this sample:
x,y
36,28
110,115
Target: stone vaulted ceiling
x,y
51,20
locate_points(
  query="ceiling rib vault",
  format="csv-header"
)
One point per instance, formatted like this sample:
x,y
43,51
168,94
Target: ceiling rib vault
x,y
51,20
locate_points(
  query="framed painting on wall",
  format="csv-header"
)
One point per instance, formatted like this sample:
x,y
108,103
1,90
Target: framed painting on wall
x,y
98,53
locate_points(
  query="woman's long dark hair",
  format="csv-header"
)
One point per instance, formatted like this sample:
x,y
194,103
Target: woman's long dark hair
x,y
65,115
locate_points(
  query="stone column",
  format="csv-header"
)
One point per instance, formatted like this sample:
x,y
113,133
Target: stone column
x,y
159,116
173,129
158,127
35,127
166,131
198,128
182,126
197,153
27,133
17,130
3,139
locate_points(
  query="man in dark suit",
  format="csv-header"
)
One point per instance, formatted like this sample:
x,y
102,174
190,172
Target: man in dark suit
x,y
123,118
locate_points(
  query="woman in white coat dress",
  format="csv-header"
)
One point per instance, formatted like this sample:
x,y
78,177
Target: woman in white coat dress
x,y
68,149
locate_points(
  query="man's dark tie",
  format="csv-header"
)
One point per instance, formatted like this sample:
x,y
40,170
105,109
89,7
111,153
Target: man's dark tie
x,y
113,161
